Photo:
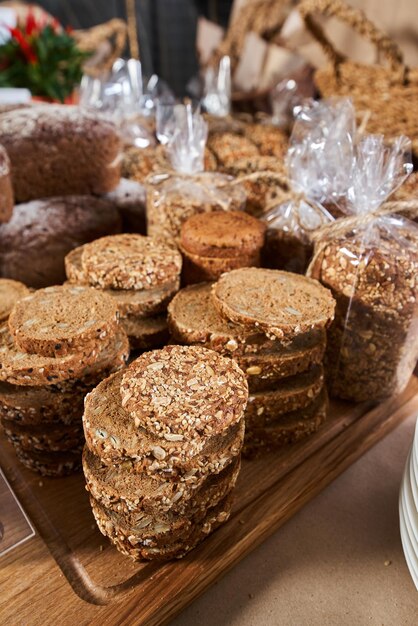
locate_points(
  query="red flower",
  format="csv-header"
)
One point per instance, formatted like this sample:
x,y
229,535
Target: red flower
x,y
31,25
24,45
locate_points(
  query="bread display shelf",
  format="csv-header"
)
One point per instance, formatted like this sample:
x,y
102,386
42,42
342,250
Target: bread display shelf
x,y
69,572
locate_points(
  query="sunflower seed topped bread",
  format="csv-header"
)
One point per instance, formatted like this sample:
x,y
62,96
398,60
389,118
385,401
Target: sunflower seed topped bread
x,y
6,190
280,304
183,392
60,150
57,321
10,292
130,262
130,302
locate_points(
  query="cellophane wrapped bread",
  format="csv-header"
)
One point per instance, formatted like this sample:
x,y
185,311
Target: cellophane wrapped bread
x,y
370,263
174,197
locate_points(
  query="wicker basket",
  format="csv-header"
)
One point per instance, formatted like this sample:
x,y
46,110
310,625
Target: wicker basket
x,y
386,94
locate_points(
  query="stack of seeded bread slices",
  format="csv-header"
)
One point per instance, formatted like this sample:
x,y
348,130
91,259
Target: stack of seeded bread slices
x,y
273,325
141,274
58,343
163,444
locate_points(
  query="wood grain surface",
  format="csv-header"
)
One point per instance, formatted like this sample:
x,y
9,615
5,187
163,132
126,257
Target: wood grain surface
x,y
69,574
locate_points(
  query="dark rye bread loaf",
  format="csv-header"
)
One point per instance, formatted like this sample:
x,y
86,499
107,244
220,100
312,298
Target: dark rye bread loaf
x,y
60,150
6,190
222,234
34,243
10,292
279,303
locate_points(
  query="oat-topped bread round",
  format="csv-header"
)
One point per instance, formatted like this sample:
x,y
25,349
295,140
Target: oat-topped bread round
x,y
184,392
279,303
222,234
130,262
10,292
21,368
193,318
60,150
6,190
141,303
61,320
112,434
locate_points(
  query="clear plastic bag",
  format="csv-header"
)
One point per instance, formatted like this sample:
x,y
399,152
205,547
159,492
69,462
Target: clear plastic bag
x,y
370,263
173,198
318,164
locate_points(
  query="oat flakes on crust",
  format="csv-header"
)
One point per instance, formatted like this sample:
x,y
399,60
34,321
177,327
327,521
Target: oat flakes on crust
x,y
130,261
10,292
63,320
184,392
279,303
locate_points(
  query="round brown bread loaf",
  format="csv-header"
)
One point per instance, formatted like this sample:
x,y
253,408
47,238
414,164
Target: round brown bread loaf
x,y
198,269
111,434
184,393
33,244
60,150
10,292
222,234
193,318
227,147
130,302
141,494
269,139
20,368
6,190
281,304
130,262
57,321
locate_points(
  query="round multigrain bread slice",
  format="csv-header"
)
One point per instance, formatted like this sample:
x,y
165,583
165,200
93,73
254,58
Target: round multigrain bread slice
x,y
141,303
138,495
184,393
112,435
50,438
223,235
130,261
198,269
10,292
58,321
289,428
143,549
193,318
146,333
281,304
291,394
20,368
51,464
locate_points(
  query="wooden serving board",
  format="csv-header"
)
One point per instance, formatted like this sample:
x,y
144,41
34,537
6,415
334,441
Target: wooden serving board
x,y
69,574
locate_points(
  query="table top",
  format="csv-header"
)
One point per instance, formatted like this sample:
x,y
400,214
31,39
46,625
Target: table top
x,y
338,561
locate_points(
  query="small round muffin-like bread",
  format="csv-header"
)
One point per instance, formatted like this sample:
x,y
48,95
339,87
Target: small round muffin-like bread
x,y
125,492
130,261
222,234
57,321
289,428
6,190
295,392
228,147
20,368
111,434
184,393
136,549
281,304
10,292
198,269
269,139
60,150
146,333
140,303
193,318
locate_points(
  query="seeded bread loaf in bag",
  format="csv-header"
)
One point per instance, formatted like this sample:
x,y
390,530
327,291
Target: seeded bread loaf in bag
x,y
60,150
6,189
